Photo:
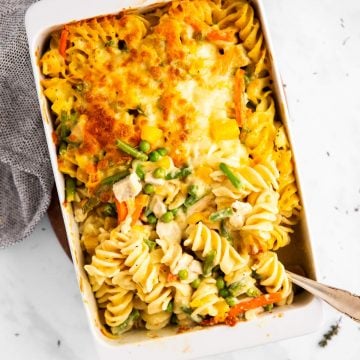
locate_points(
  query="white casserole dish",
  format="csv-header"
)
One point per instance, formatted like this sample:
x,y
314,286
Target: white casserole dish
x,y
303,316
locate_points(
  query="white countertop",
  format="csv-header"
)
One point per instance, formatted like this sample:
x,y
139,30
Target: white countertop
x,y
317,44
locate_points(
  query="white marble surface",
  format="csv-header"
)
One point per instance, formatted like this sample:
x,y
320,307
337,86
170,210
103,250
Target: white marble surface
x,y
317,45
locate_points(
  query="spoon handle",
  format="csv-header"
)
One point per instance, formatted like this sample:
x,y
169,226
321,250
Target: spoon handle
x,y
342,300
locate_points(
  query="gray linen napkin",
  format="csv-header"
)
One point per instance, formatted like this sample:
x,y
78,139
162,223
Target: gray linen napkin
x,y
25,173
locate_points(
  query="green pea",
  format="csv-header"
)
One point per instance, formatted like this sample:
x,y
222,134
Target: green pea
x,y
183,274
154,156
159,173
230,301
170,307
149,189
162,151
224,293
196,283
151,219
140,172
167,217
144,146
220,283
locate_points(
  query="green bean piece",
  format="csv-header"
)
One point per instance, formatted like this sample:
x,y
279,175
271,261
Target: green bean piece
x,y
152,220
147,212
140,172
111,180
221,214
181,174
159,173
224,293
236,288
64,132
62,148
186,310
253,292
167,217
109,209
174,320
190,200
144,146
230,175
127,323
175,211
196,283
209,262
162,151
230,301
128,149
90,204
247,79
151,244
216,269
154,156
70,189
184,172
149,189
220,283
170,307
224,232
183,274
268,307
255,275
193,190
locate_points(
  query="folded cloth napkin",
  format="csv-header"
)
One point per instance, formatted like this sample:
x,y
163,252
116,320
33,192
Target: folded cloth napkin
x,y
25,172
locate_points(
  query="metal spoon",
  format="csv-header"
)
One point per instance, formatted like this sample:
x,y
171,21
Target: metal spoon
x,y
342,300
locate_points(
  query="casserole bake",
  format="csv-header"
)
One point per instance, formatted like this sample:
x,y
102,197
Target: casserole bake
x,y
207,167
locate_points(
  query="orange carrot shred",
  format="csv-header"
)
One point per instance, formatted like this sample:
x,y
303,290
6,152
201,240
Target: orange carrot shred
x,y
140,203
254,303
63,42
240,109
122,210
216,35
171,277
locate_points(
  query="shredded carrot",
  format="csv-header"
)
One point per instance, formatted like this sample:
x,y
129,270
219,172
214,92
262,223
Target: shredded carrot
x,y
122,210
251,304
171,277
63,42
140,202
55,138
216,35
240,109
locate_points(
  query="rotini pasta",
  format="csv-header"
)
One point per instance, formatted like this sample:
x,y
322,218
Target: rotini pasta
x,y
272,274
204,240
179,172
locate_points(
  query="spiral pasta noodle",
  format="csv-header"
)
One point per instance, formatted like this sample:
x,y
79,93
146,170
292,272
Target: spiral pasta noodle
x,y
259,223
272,274
201,238
119,307
205,301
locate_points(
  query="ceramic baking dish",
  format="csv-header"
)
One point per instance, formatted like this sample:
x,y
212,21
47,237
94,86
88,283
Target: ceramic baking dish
x,y
303,316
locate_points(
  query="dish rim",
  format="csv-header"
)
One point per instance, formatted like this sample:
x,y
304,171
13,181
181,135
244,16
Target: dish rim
x,y
47,15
